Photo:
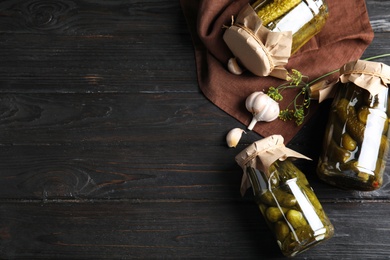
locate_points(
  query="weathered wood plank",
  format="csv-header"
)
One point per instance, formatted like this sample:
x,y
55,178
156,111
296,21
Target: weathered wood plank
x,y
96,64
128,172
137,171
130,229
176,229
178,119
66,46
379,12
86,17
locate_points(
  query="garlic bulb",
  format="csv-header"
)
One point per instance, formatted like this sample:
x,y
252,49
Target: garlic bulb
x,y
233,67
234,136
262,107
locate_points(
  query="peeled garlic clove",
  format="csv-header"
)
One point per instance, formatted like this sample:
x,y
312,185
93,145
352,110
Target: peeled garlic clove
x,y
233,66
233,137
262,107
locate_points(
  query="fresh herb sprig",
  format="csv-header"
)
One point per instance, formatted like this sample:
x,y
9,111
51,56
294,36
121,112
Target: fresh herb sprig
x,y
301,102
298,108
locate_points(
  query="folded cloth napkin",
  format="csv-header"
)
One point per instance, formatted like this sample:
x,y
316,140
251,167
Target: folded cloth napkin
x,y
344,38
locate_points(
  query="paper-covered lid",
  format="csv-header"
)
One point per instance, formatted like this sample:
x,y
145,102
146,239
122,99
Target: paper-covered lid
x,y
262,154
258,49
372,76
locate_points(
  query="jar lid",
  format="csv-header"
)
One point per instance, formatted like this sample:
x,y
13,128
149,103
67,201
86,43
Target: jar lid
x,y
258,49
261,154
268,150
251,53
372,76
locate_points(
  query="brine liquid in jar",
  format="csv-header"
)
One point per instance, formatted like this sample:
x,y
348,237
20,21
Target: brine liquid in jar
x,y
304,18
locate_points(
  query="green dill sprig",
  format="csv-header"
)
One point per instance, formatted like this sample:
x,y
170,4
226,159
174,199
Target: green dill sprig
x,y
298,108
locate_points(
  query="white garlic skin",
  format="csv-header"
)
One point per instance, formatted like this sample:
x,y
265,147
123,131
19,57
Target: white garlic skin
x,y
262,107
233,137
233,67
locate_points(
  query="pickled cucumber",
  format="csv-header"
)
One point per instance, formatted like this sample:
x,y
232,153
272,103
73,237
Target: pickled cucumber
x,y
296,218
347,114
348,142
337,153
309,30
363,113
283,199
274,214
314,201
274,9
287,170
281,230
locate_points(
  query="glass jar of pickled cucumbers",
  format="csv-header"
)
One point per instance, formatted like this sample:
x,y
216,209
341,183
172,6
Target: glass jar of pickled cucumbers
x,y
283,195
356,139
303,18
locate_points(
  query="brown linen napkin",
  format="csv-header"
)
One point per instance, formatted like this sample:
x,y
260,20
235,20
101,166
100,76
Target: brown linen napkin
x,y
344,38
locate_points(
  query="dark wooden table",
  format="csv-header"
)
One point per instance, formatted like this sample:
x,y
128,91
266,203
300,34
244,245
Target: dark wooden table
x,y
108,149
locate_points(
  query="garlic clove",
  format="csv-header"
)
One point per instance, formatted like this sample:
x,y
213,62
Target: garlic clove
x,y
262,107
270,111
233,67
256,102
233,137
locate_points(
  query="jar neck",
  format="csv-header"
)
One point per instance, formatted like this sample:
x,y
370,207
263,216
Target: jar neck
x,y
279,173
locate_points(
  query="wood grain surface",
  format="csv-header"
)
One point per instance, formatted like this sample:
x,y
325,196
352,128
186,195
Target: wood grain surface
x,y
108,149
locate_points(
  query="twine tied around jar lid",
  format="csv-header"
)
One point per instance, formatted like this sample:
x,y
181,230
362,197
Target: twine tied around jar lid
x,y
369,75
261,155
